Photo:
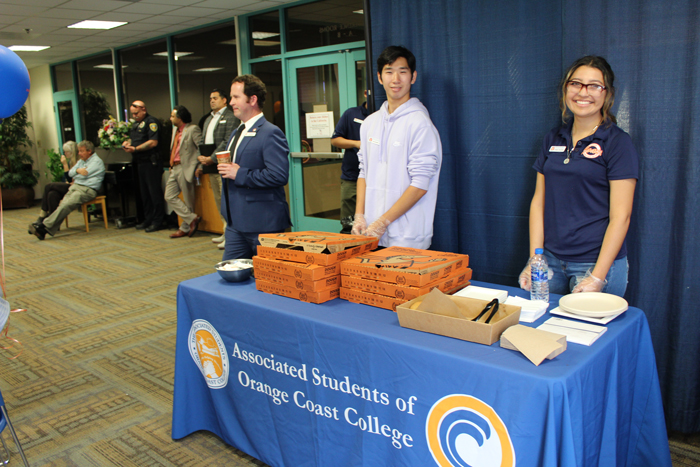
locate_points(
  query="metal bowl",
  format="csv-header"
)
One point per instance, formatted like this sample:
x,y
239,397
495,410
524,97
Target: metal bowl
x,y
238,275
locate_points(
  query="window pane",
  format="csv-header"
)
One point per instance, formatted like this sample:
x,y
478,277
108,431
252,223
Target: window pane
x,y
64,78
206,61
271,74
265,34
329,22
145,78
97,98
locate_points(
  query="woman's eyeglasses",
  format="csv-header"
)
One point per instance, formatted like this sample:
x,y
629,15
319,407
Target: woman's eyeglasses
x,y
592,88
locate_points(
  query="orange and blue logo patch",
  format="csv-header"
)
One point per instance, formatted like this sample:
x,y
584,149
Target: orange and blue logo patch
x,y
463,431
209,353
592,151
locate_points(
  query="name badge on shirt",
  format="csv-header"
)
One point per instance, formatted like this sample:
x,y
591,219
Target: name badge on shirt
x,y
374,141
557,149
357,120
251,132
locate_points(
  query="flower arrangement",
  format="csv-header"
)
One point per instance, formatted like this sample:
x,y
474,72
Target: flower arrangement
x,y
113,133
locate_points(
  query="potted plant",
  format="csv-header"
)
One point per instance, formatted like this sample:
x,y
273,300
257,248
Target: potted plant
x,y
17,177
55,166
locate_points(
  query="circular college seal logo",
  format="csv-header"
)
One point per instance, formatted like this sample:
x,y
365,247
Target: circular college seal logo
x,y
209,353
462,431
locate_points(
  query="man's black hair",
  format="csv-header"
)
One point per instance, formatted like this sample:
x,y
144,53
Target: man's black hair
x,y
222,93
394,52
183,114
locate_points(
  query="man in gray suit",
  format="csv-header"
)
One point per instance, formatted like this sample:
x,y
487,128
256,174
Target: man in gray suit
x,y
183,162
216,131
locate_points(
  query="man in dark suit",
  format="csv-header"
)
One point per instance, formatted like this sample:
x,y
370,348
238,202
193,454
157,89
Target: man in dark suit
x,y
217,129
253,200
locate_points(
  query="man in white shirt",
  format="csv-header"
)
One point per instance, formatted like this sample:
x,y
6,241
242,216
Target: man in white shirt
x,y
216,131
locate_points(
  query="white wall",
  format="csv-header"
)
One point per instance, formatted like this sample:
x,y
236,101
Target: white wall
x,y
40,111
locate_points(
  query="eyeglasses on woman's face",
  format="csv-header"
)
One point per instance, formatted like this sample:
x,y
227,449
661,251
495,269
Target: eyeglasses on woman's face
x,y
594,89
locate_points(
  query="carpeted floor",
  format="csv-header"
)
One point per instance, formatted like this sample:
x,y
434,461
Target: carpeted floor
x,y
93,385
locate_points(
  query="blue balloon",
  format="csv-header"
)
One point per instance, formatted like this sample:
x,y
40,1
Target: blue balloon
x,y
14,83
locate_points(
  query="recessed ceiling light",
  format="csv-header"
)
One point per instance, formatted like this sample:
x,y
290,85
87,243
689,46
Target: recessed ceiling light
x,y
108,67
97,24
359,12
28,48
209,69
263,35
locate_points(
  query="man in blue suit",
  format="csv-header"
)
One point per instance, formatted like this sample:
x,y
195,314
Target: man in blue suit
x,y
253,200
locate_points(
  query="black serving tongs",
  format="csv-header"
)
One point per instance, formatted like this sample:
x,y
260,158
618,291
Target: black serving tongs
x,y
492,304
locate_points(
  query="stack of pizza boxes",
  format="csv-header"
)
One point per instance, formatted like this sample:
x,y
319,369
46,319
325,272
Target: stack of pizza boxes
x,y
395,275
305,265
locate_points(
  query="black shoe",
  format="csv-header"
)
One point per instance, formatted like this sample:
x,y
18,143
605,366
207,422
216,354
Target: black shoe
x,y
142,226
154,227
38,230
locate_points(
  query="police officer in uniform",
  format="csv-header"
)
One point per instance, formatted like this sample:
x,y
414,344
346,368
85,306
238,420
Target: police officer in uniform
x,y
143,146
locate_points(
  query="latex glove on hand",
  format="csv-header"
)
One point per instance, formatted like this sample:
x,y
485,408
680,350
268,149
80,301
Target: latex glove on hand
x,y
378,227
589,283
525,276
359,225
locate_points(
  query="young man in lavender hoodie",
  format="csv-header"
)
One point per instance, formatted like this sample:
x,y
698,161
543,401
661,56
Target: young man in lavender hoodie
x,y
400,157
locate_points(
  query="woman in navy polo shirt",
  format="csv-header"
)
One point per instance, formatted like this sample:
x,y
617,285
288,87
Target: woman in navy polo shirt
x,y
586,176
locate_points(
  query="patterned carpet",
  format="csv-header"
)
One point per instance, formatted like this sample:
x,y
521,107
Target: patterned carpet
x,y
93,385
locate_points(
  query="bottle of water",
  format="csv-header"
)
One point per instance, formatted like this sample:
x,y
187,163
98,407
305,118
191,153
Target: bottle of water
x,y
539,277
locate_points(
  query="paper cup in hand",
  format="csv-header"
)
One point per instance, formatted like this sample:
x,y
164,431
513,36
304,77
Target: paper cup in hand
x,y
223,157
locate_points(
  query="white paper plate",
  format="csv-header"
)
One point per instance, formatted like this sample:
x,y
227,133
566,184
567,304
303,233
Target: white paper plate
x,y
593,304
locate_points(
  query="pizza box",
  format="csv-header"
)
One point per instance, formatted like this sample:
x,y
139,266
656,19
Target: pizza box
x,y
292,253
404,266
312,241
431,313
380,301
306,272
299,284
304,296
458,280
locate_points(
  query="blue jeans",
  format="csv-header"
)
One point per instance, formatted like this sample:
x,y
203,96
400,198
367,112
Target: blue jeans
x,y
567,274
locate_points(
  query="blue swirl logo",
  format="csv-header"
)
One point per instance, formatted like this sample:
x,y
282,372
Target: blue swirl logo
x,y
463,431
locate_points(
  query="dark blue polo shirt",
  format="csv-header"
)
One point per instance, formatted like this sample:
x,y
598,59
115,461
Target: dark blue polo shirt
x,y
577,194
348,127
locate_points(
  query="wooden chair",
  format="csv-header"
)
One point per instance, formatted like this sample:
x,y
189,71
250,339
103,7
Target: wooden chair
x,y
98,200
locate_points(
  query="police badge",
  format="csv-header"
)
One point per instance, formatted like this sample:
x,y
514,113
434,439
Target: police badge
x,y
153,127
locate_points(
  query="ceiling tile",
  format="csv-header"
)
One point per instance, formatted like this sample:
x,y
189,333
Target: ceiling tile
x,y
147,8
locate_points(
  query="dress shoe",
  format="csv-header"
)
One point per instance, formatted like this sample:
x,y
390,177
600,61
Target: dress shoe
x,y
38,230
179,234
141,226
218,239
221,245
153,228
194,225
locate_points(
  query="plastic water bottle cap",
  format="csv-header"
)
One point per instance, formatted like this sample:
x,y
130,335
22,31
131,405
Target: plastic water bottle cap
x,y
539,251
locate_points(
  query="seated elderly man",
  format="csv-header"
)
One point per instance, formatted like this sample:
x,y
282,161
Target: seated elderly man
x,y
87,175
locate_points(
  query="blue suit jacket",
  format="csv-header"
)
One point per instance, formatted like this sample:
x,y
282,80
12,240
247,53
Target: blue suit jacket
x,y
256,197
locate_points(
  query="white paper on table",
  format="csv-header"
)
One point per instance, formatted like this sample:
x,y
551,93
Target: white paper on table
x,y
601,321
530,310
576,332
482,293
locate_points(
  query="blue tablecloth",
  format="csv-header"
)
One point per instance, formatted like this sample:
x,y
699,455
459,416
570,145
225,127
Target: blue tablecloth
x,y
339,384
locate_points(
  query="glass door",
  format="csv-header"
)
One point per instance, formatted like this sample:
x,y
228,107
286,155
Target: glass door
x,y
67,115
321,88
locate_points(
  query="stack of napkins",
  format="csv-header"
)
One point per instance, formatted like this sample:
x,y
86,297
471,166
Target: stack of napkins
x,y
483,293
530,310
575,331
535,344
